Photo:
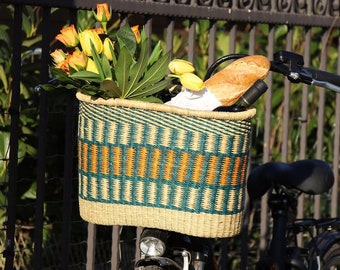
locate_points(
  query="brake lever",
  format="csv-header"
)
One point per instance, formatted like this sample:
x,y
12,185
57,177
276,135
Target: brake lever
x,y
291,65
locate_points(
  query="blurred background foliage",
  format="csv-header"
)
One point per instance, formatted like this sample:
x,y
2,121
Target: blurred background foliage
x,y
29,105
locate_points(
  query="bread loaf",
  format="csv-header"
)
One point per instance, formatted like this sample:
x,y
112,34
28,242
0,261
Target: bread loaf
x,y
229,84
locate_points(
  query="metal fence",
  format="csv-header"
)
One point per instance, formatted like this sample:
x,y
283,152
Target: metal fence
x,y
283,130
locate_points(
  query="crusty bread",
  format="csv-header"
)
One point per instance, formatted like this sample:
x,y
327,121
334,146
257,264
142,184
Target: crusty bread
x,y
229,84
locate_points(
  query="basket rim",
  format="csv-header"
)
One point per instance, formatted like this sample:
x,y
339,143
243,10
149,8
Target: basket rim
x,y
117,102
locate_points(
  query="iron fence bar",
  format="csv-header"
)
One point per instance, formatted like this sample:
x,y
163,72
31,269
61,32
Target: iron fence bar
x,y
212,43
265,13
232,38
266,143
191,41
336,155
91,246
67,179
14,138
320,120
42,128
169,40
68,169
303,122
246,218
115,260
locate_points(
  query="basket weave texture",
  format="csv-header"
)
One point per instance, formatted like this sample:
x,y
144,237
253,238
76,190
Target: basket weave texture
x,y
157,166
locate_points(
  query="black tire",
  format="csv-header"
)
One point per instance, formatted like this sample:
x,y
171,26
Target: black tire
x,y
152,267
330,259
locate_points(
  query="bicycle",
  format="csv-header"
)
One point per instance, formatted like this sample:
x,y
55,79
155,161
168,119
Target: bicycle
x,y
284,182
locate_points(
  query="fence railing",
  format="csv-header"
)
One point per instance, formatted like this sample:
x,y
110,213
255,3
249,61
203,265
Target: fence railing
x,y
287,129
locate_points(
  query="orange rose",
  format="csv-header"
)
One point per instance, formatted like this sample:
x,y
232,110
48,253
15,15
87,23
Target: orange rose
x,y
64,65
77,60
103,12
68,36
98,30
135,30
58,56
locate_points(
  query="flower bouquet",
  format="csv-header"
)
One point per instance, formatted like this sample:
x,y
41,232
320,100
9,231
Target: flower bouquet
x,y
145,163
116,66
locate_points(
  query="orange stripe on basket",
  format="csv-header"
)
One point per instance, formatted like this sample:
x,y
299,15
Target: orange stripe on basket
x,y
117,160
244,169
183,167
130,161
170,160
94,158
105,160
224,171
197,169
236,170
155,166
84,156
212,170
142,161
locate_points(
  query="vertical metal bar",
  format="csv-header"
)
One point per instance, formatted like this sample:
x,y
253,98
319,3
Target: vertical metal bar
x,y
232,39
303,122
148,30
336,154
286,102
223,263
14,138
68,172
191,41
266,143
245,226
91,246
212,43
170,35
41,162
115,258
139,231
252,41
321,113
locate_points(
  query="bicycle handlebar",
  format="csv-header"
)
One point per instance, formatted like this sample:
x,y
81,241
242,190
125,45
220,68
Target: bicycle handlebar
x,y
291,64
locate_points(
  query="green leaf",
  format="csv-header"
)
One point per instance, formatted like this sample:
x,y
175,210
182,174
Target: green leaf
x,y
156,53
31,193
87,76
32,41
151,89
106,67
111,89
139,68
63,77
3,77
122,69
127,38
97,60
155,73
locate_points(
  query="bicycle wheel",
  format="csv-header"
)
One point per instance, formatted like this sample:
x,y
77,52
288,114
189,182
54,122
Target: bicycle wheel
x,y
329,259
152,267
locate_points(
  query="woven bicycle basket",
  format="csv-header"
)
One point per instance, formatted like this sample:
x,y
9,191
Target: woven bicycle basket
x,y
157,166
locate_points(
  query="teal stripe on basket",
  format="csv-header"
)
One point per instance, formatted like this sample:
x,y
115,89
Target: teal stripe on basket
x,y
157,129
157,118
118,184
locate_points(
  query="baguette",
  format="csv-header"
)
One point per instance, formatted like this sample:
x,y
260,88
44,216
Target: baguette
x,y
229,84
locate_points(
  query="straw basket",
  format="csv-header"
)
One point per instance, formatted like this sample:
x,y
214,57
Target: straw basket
x,y
157,166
